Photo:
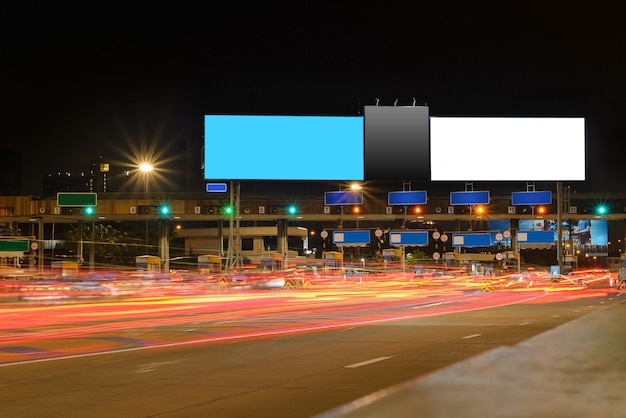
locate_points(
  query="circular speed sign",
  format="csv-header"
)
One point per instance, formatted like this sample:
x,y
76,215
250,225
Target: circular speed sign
x,y
324,234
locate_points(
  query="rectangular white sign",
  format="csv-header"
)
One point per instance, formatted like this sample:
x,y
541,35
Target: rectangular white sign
x,y
507,149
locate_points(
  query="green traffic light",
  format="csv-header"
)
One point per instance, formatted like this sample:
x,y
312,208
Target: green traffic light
x,y
228,210
601,210
164,210
89,210
292,210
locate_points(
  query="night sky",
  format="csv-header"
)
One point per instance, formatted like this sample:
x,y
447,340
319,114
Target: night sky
x,y
117,81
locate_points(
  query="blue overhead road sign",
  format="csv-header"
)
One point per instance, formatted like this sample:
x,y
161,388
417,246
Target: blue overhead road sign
x,y
535,237
479,239
408,238
357,237
352,197
531,198
469,198
417,197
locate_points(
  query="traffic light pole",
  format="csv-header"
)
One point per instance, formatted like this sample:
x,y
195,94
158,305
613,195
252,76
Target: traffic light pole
x,y
80,255
92,247
233,255
559,225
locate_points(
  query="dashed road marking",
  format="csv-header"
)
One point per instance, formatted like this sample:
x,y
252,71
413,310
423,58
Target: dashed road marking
x,y
366,362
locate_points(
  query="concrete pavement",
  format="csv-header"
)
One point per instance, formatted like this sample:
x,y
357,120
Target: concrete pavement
x,y
575,370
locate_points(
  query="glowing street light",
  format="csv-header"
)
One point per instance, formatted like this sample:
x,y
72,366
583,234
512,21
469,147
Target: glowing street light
x,y
146,167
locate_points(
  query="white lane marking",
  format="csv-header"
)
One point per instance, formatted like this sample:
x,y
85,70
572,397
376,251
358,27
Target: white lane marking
x,y
472,336
366,362
150,367
430,304
525,323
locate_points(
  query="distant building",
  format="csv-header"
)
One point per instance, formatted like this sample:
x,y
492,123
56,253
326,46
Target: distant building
x,y
98,180
65,182
99,175
10,172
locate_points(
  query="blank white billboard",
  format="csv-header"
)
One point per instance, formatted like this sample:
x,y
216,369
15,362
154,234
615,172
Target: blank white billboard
x,y
507,149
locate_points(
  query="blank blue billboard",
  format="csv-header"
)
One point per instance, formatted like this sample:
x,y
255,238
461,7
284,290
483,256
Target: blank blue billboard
x,y
249,147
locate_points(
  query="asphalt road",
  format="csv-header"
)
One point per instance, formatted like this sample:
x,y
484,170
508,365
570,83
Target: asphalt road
x,y
292,375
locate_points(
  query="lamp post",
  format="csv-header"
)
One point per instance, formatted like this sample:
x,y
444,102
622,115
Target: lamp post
x,y
146,169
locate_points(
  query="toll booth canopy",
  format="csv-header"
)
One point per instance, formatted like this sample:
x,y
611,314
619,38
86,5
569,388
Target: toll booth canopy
x,y
149,263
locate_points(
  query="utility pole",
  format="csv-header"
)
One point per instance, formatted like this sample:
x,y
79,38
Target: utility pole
x,y
233,256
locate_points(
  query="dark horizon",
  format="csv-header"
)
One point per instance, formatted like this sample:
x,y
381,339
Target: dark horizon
x,y
139,83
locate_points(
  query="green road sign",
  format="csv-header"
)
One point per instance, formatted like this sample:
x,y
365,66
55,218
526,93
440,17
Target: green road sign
x,y
13,245
77,199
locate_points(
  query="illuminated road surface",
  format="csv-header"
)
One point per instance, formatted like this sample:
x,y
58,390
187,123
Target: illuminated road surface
x,y
38,332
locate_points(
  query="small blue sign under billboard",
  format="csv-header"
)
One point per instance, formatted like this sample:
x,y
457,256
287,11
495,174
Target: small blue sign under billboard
x,y
469,198
352,197
356,237
478,239
531,198
216,187
417,197
409,238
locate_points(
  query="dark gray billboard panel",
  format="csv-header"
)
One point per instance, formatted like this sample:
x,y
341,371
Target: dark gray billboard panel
x,y
397,143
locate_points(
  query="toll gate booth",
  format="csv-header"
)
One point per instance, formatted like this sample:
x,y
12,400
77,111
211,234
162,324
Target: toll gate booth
x,y
333,260
64,268
210,263
570,263
148,263
392,255
272,261
621,278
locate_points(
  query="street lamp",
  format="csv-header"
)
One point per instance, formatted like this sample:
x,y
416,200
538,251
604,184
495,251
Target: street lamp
x,y
146,169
